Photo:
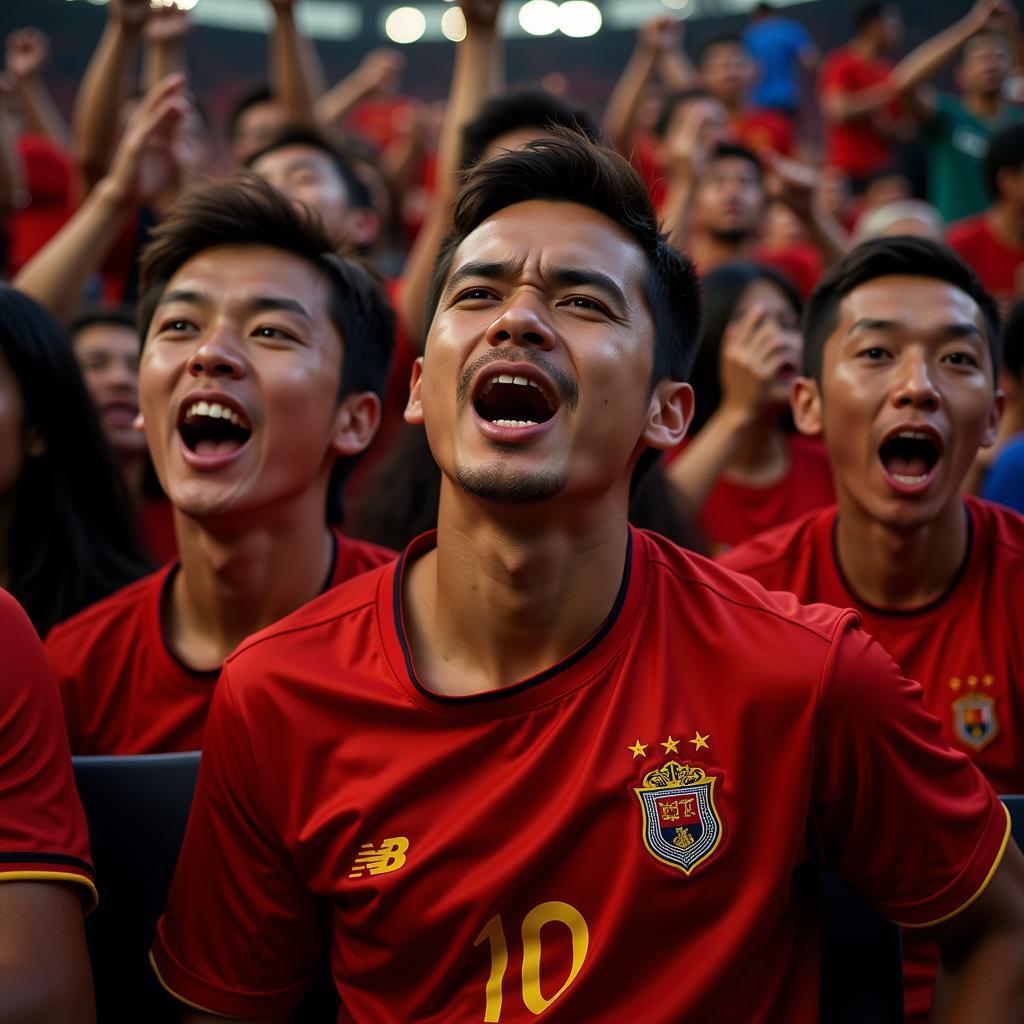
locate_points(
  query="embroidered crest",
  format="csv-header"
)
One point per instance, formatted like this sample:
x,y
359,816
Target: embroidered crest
x,y
974,720
681,825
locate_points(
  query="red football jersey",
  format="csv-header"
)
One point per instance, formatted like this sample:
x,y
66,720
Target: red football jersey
x,y
550,846
43,835
995,262
735,512
855,146
124,691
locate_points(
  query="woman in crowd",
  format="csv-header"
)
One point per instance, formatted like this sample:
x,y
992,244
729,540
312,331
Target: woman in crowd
x,y
743,468
66,536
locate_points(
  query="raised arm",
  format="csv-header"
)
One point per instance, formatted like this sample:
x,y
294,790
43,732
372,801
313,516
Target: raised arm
x,y
379,71
164,52
658,46
12,176
686,153
296,75
472,80
28,52
105,87
145,164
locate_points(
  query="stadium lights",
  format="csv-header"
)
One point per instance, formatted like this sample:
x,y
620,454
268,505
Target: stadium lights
x,y
579,19
405,25
453,25
539,17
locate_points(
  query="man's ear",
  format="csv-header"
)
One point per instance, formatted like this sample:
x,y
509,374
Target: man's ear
x,y
669,413
805,401
414,407
994,417
355,423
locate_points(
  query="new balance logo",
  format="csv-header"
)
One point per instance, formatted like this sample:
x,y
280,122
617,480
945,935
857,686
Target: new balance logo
x,y
390,856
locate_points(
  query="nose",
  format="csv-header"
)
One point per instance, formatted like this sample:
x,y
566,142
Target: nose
x,y
216,355
523,321
915,388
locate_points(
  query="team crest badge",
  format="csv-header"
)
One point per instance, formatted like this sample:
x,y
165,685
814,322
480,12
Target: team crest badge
x,y
974,720
681,824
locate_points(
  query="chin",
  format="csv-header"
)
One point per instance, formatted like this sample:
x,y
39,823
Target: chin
x,y
502,487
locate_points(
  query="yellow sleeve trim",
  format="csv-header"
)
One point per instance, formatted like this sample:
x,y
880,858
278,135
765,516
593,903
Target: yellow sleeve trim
x,y
178,996
981,888
54,876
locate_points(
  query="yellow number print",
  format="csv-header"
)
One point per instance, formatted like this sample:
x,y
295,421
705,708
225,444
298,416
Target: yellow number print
x,y
544,913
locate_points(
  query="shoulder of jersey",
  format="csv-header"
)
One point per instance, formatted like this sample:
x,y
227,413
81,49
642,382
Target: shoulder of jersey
x,y
1003,527
776,544
364,552
346,598
745,595
110,609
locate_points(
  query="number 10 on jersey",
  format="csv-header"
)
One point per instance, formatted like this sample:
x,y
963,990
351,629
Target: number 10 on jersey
x,y
494,933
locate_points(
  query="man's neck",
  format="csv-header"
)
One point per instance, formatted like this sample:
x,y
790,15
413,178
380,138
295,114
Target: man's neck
x,y
761,457
505,596
984,106
1006,223
710,251
235,580
900,570
866,48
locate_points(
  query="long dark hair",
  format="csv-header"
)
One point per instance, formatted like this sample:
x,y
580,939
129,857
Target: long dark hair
x,y
72,539
723,288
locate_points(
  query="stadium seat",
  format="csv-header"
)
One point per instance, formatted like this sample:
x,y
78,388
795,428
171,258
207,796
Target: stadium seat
x,y
861,969
137,808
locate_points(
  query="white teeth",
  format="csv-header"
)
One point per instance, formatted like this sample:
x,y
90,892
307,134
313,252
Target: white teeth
x,y
505,378
520,380
909,479
516,423
914,435
215,411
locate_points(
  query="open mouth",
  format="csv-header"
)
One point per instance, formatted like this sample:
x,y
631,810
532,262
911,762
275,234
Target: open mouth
x,y
910,456
210,428
509,400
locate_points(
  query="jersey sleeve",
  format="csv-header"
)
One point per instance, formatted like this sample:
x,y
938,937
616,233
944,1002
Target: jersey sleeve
x,y
241,935
43,835
910,824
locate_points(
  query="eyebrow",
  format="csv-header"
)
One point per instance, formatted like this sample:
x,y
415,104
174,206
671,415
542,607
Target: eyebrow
x,y
505,269
960,329
258,304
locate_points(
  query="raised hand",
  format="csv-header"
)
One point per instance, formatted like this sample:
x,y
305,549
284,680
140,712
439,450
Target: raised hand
x,y
792,183
661,34
167,24
27,53
756,349
149,159
690,142
381,71
129,14
480,13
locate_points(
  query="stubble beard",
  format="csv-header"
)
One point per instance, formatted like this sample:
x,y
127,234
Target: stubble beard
x,y
509,488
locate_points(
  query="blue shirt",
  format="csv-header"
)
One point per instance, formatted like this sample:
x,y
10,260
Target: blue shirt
x,y
775,44
1005,480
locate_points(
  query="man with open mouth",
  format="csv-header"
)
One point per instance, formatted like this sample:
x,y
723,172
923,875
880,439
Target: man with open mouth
x,y
515,774
263,363
901,361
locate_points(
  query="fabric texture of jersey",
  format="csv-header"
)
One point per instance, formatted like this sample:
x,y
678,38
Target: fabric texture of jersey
x,y
856,145
124,691
996,262
776,45
735,512
1004,482
963,649
955,144
43,835
550,846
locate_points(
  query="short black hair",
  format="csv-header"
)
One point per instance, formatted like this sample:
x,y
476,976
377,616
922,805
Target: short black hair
x,y
1005,149
245,210
865,13
568,167
301,135
898,255
672,102
1013,341
736,151
524,108
721,39
253,98
93,316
